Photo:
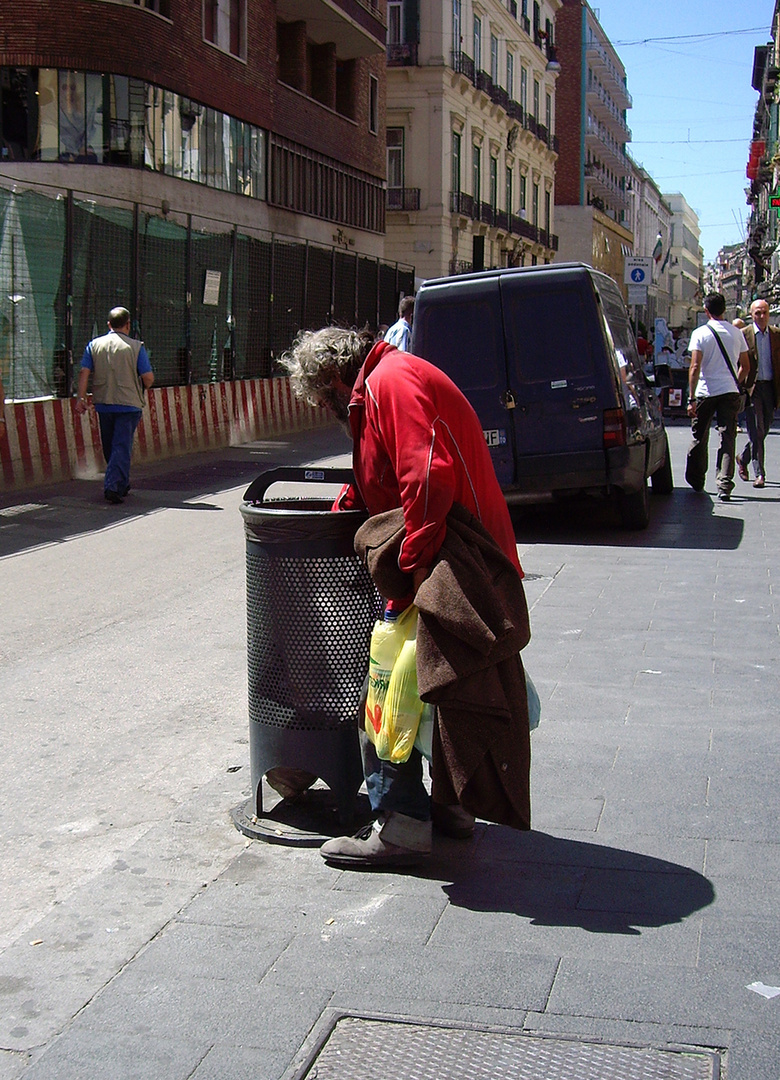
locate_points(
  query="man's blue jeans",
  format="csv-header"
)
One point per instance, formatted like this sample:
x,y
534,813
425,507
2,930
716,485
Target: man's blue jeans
x,y
117,430
394,788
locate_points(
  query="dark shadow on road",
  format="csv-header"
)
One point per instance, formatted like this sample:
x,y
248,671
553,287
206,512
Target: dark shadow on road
x,y
684,519
559,882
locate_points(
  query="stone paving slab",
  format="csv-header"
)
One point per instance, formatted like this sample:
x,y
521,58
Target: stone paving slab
x,y
637,911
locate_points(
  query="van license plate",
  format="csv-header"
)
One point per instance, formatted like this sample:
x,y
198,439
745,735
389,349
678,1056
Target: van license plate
x,y
496,437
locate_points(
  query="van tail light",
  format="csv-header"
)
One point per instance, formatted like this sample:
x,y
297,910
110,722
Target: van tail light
x,y
614,428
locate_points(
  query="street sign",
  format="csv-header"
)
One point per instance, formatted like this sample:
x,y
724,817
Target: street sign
x,y
637,294
638,270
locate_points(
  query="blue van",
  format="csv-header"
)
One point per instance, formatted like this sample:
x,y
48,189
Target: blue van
x,y
547,357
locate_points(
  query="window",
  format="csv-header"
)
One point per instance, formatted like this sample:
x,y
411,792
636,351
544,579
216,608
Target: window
x,y
373,104
476,172
162,7
548,211
524,89
535,205
395,22
494,183
508,192
395,157
224,25
548,112
494,59
456,162
510,74
523,186
477,44
80,117
456,25
536,99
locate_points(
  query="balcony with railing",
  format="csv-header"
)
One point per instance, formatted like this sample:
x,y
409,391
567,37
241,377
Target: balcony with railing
x,y
402,54
463,65
499,96
490,215
484,82
403,198
463,204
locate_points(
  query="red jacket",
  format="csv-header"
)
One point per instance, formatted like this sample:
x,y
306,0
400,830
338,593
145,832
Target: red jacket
x,y
418,444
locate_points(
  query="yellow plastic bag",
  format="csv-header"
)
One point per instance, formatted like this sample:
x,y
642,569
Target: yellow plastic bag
x,y
393,706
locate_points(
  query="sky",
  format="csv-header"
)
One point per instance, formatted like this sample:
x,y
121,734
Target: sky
x,y
689,65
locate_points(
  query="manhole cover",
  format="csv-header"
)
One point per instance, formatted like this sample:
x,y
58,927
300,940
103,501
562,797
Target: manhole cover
x,y
365,1049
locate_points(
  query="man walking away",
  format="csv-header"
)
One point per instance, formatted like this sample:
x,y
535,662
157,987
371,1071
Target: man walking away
x,y
121,374
763,342
719,368
400,332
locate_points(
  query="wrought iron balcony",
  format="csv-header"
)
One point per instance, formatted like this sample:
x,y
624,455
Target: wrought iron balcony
x,y
463,64
499,96
483,82
402,54
461,203
403,198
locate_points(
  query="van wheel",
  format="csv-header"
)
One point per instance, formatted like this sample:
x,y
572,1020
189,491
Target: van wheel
x,y
635,508
662,479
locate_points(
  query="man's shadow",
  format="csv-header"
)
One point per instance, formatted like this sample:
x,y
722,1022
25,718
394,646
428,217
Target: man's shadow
x,y
558,882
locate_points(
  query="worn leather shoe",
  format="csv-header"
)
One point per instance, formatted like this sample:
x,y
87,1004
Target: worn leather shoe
x,y
743,473
452,821
366,850
759,482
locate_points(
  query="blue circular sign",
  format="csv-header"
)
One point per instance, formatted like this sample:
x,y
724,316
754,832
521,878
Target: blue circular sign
x,y
638,275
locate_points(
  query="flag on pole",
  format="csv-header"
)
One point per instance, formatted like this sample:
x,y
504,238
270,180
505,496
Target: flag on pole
x,y
658,250
666,260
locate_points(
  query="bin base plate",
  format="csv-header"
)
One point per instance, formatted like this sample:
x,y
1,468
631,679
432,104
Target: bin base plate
x,y
307,821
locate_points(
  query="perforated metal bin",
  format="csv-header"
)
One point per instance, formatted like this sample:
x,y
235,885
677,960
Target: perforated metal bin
x,y
310,609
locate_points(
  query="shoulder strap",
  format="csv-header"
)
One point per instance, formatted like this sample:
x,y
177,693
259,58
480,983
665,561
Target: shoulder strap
x,y
725,356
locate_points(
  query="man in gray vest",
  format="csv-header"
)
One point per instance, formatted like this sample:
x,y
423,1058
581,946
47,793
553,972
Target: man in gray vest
x,y
121,374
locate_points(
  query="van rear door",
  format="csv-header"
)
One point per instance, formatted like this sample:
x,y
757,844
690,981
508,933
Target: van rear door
x,y
554,347
457,327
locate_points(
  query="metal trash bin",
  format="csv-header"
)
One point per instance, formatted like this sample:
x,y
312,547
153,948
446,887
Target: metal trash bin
x,y
311,606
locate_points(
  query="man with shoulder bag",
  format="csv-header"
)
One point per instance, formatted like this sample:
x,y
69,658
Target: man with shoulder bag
x,y
718,372
763,384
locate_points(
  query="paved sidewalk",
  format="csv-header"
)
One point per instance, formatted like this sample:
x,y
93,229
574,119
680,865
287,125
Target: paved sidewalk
x,y
636,914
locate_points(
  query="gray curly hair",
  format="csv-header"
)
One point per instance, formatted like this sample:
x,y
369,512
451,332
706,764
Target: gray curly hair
x,y
317,357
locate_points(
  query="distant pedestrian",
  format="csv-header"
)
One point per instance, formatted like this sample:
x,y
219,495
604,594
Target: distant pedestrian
x,y
763,385
121,374
400,332
718,370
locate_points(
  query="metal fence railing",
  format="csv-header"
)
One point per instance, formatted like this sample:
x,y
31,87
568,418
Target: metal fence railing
x,y
210,304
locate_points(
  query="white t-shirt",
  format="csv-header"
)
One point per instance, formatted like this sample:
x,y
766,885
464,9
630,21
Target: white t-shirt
x,y
715,377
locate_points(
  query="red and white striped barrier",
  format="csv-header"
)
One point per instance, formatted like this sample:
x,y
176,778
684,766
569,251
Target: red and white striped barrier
x,y
48,440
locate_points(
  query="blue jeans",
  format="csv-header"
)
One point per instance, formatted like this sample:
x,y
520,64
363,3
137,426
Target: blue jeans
x,y
394,788
117,431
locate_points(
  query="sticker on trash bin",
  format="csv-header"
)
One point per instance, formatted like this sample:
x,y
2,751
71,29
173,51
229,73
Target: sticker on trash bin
x,y
314,474
675,399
